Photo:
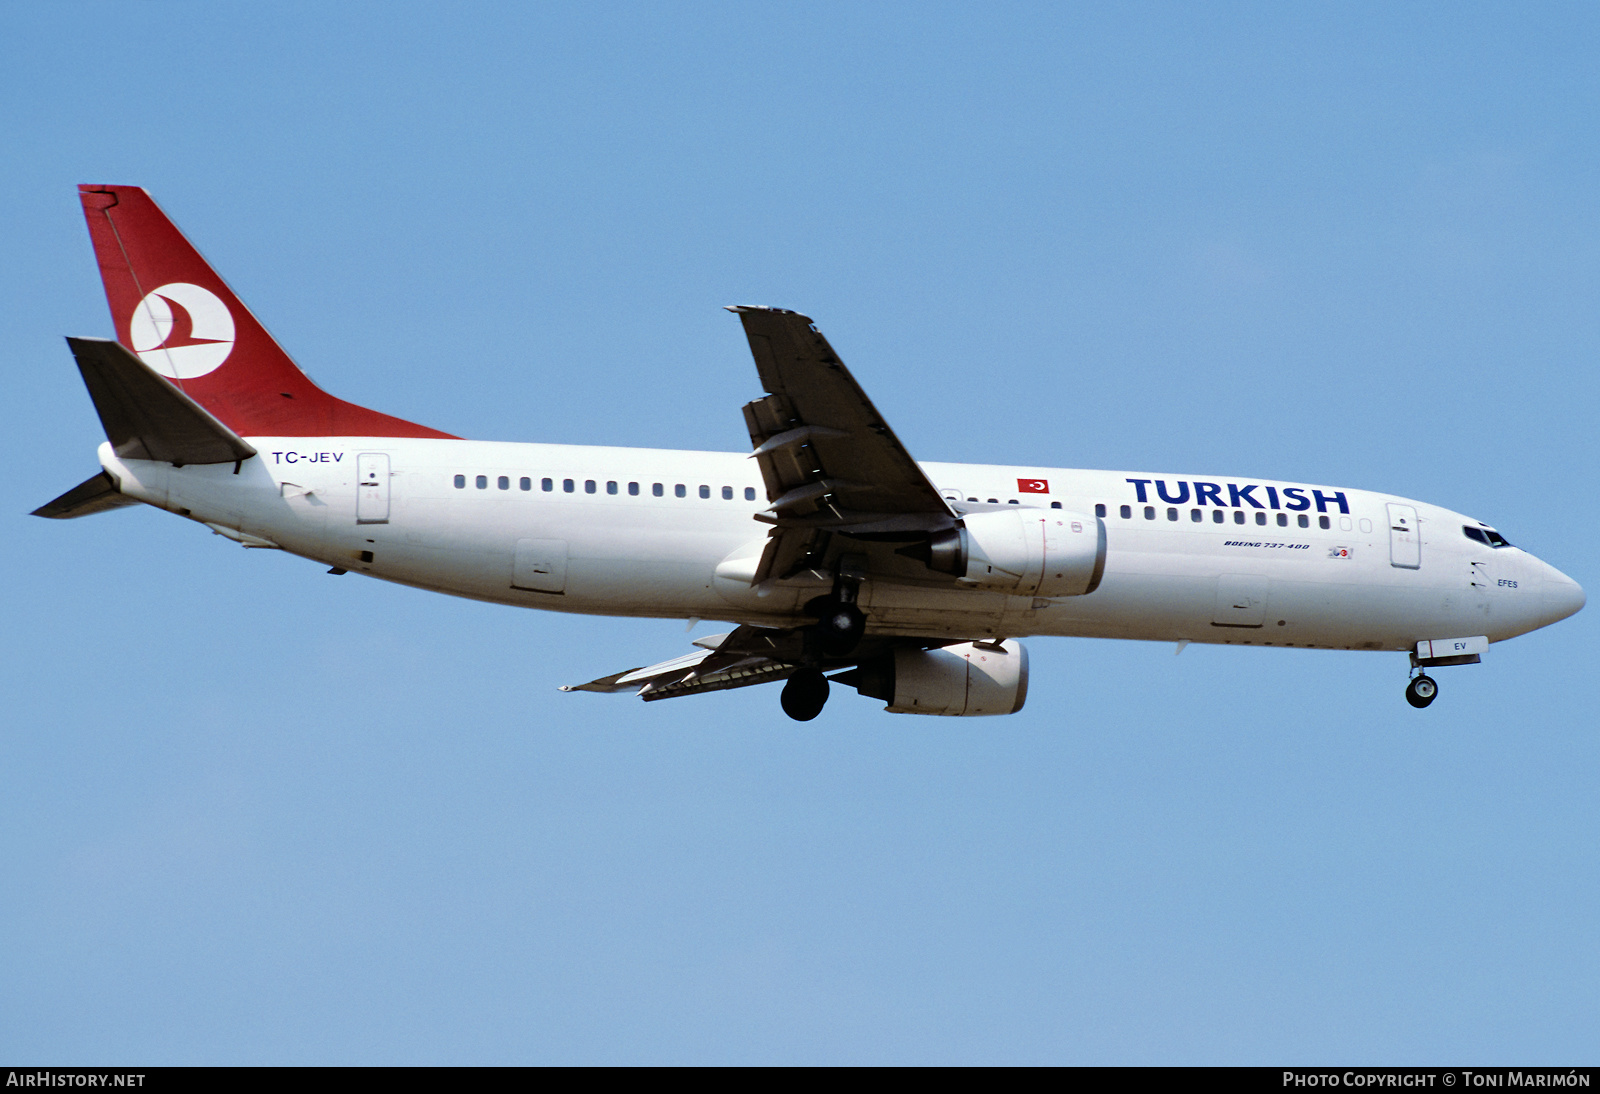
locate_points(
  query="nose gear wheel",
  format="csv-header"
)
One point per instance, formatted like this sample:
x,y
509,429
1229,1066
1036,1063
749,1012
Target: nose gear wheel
x,y
1421,690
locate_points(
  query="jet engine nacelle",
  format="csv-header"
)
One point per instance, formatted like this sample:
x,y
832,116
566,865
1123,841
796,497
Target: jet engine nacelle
x,y
1024,551
966,679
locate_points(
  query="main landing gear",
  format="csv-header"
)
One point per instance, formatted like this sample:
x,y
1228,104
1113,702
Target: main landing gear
x,y
840,624
805,694
841,628
1421,690
837,632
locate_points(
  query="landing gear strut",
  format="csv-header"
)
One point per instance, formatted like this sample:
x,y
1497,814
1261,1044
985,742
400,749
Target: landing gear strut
x,y
1421,690
805,694
840,623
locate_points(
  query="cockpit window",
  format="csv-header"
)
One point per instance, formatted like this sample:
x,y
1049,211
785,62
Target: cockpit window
x,y
1486,536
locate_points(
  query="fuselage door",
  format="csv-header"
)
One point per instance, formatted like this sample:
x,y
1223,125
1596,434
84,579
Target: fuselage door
x,y
1405,541
372,488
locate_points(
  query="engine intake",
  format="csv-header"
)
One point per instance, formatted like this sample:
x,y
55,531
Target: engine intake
x,y
968,679
1023,551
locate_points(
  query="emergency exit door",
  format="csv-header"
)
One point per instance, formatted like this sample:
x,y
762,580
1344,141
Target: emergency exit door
x,y
1405,540
372,488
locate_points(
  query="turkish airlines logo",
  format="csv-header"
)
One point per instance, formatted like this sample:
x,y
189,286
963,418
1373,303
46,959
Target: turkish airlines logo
x,y
1033,486
182,331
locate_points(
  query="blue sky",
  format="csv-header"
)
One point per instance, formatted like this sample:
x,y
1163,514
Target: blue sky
x,y
254,814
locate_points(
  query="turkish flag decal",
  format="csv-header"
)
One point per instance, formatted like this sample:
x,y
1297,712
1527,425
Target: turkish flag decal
x,y
1032,486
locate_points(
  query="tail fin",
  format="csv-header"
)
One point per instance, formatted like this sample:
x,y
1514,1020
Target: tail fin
x,y
181,319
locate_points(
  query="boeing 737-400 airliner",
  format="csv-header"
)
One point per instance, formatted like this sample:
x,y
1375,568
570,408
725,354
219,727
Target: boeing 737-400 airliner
x,y
836,554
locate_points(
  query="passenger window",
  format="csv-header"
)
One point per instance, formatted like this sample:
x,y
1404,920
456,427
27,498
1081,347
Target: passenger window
x,y
1283,520
972,499
705,491
1013,501
657,489
749,493
461,482
1196,516
1149,512
1172,514
503,483
1261,518
1323,523
588,486
1218,516
1126,511
1365,524
482,482
1099,508
525,482
1345,525
994,501
568,485
611,487
1305,521
547,485
727,493
1238,516
633,490
680,490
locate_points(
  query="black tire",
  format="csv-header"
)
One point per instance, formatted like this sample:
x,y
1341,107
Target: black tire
x,y
841,627
805,695
1421,691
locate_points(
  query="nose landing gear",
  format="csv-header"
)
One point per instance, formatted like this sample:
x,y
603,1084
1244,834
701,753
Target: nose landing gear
x,y
1421,690
1433,653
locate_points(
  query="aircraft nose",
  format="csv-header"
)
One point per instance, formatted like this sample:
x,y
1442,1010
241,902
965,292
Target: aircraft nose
x,y
1562,595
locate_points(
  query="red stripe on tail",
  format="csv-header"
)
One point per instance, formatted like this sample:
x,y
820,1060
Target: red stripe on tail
x,y
172,309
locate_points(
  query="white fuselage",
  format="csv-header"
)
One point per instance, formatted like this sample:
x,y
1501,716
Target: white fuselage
x,y
667,533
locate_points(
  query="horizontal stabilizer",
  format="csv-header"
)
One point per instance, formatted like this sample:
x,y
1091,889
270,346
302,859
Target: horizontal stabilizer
x,y
96,495
145,416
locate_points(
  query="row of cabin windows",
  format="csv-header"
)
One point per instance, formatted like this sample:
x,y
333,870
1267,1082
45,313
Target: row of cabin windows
x,y
1218,516
590,486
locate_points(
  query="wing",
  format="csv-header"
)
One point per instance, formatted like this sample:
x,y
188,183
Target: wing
x,y
831,464
738,659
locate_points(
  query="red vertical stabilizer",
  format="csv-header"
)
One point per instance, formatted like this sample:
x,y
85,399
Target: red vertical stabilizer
x,y
182,320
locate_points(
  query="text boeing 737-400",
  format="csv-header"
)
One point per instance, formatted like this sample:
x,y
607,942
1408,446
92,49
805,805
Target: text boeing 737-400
x,y
836,554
